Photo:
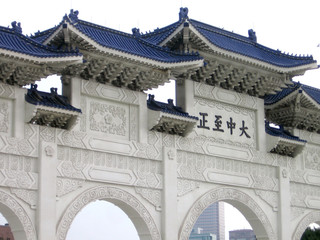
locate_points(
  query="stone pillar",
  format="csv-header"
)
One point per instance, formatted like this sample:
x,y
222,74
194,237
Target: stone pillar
x,y
261,129
284,229
169,226
46,208
19,113
71,88
185,95
143,118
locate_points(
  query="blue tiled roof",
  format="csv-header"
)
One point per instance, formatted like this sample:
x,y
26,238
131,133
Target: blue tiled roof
x,y
245,46
146,45
42,36
167,108
128,43
13,40
159,35
314,93
52,99
280,132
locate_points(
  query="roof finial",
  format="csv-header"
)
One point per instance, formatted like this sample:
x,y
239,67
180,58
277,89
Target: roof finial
x,y
136,32
183,14
33,86
252,35
16,27
73,15
54,91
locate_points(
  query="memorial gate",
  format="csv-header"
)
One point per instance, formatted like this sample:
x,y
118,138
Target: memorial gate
x,y
161,163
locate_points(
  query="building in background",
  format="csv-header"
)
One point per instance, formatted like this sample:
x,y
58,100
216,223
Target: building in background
x,y
211,221
243,234
197,234
5,232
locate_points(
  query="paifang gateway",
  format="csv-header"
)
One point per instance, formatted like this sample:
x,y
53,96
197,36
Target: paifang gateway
x,y
241,131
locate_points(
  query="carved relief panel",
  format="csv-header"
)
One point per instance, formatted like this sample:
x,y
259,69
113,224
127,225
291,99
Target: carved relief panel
x,y
111,119
5,116
108,111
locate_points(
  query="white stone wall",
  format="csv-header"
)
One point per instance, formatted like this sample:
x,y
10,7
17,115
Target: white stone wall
x,y
161,181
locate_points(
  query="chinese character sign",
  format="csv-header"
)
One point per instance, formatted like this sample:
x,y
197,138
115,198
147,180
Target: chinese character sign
x,y
225,122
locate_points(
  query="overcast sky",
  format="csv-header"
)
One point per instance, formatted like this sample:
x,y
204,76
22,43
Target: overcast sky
x,y
288,25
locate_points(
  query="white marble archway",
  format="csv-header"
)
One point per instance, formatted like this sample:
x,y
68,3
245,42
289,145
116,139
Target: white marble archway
x,y
135,210
242,201
20,223
313,217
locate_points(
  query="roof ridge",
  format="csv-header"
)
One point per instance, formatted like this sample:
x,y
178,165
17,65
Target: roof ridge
x,y
247,40
41,33
102,27
163,29
36,43
235,35
308,86
165,49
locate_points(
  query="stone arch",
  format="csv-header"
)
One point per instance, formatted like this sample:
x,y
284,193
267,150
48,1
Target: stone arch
x,y
243,202
313,217
141,219
20,223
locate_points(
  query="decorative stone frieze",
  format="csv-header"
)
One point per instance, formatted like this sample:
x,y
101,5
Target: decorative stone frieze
x,y
20,215
112,194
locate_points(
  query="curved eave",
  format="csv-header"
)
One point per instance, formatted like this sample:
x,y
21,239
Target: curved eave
x,y
40,60
280,139
289,98
132,57
296,70
190,119
54,33
284,99
175,32
42,107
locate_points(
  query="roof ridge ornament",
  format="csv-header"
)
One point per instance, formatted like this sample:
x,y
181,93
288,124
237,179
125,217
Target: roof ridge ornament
x,y
183,14
73,15
16,27
252,35
136,32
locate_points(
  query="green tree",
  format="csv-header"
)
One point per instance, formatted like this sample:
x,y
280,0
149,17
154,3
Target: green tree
x,y
311,234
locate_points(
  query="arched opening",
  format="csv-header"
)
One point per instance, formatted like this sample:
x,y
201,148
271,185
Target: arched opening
x,y
101,220
312,232
14,215
251,211
222,221
311,221
5,229
236,224
129,204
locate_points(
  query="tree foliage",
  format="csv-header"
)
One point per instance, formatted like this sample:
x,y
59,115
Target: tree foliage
x,y
311,234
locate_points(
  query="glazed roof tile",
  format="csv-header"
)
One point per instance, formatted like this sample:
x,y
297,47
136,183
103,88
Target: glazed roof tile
x,y
234,43
13,40
124,42
42,36
248,47
280,132
314,93
167,107
131,44
159,35
51,99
